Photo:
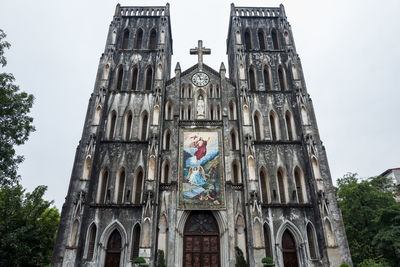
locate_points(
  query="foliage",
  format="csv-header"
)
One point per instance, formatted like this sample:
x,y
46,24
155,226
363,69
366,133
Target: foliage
x,y
161,259
344,265
372,263
268,262
139,260
15,124
240,260
372,219
28,226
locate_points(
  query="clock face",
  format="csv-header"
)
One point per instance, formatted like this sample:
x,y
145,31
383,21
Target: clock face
x,y
200,79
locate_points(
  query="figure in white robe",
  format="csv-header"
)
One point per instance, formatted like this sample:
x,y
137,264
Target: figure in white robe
x,y
197,176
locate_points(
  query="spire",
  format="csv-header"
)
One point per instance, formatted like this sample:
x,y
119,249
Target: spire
x,y
117,10
177,69
222,70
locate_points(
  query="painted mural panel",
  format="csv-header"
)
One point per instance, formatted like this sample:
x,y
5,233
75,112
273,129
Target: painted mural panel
x,y
201,182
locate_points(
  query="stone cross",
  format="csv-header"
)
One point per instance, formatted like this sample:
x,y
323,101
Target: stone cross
x,y
200,51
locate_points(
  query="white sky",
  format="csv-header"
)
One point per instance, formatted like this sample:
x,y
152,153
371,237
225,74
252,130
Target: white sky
x,y
348,51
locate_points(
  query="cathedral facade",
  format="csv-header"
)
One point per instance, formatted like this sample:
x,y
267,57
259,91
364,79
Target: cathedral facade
x,y
205,164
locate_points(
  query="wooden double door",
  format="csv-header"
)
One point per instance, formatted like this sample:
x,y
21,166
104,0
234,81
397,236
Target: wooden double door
x,y
201,241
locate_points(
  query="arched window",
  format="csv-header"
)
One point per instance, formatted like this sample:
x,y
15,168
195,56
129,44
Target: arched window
x,y
235,172
135,242
189,110
121,186
149,78
298,177
282,185
153,39
330,238
218,112
247,39
267,241
252,168
211,91
234,140
304,116
217,91
106,71
125,39
317,173
267,79
92,242
261,39
232,110
189,89
275,40
182,116
86,168
101,197
165,172
128,126
168,111
156,115
211,112
311,241
288,120
138,186
252,78
139,39
120,74
264,186
74,234
282,78
135,73
246,115
257,125
111,129
294,72
273,125
183,91
167,139
144,122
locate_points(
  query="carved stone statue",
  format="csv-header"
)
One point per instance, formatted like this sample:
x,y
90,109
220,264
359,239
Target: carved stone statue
x,y
200,107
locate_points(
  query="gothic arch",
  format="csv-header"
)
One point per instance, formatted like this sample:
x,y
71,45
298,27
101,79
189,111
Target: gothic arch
x,y
128,125
295,72
168,110
97,115
223,233
247,39
234,137
267,78
274,126
258,125
91,241
153,39
106,71
330,237
268,241
246,115
264,185
282,78
148,78
261,39
139,39
236,172
135,244
298,239
152,167
120,183
282,186
300,184
115,225
304,115
165,171
134,77
275,39
103,185
315,165
257,233
290,127
156,115
73,239
252,78
138,183
111,126
159,72
167,139
232,110
144,125
125,39
312,241
252,168
119,78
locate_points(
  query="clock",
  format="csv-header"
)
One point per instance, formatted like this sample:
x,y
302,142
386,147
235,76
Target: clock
x,y
200,79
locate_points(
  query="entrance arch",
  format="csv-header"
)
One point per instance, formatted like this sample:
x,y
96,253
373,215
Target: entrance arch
x,y
289,251
114,247
201,236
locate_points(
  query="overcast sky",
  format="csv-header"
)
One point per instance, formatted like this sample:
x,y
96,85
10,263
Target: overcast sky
x,y
349,52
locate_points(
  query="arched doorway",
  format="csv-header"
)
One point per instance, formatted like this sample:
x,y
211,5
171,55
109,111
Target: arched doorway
x,y
114,246
289,250
201,241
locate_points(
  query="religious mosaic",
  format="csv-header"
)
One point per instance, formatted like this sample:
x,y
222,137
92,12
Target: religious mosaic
x,y
201,174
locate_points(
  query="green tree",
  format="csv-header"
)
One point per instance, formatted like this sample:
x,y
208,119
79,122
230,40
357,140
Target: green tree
x,y
15,124
28,226
371,217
